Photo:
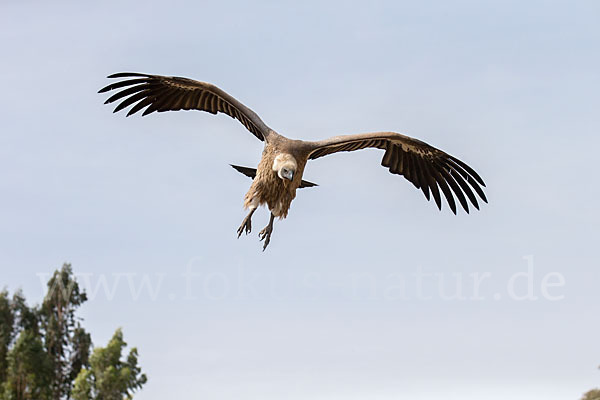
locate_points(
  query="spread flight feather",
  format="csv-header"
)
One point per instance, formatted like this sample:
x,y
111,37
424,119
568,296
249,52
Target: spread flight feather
x,y
280,170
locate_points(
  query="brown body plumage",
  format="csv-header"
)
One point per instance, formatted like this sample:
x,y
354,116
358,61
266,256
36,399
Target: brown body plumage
x,y
268,188
279,173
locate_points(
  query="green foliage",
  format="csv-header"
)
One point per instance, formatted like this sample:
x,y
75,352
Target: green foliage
x,y
45,352
66,342
81,343
7,321
16,317
25,318
29,369
109,377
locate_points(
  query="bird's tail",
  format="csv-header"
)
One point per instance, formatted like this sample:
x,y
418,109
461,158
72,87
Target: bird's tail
x,y
251,173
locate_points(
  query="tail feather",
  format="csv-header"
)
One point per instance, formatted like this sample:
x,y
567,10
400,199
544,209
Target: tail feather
x,y
251,173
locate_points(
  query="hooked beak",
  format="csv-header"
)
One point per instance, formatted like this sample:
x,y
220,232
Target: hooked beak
x,y
289,175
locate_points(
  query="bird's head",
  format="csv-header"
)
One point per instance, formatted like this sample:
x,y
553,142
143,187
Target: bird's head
x,y
285,165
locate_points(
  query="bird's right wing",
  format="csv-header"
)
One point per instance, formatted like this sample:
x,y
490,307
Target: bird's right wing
x,y
171,93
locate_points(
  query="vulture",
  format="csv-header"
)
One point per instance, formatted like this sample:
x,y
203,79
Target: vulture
x,y
280,170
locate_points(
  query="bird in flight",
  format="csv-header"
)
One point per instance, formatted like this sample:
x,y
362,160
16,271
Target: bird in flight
x,y
279,172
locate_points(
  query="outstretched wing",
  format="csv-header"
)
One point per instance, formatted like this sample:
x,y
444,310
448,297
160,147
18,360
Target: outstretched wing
x,y
171,93
428,168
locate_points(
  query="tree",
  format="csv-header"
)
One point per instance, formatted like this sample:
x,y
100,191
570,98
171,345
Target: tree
x,y
44,350
26,318
66,341
110,378
29,369
24,367
7,321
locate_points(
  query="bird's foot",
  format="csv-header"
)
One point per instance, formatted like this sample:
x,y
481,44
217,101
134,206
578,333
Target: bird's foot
x,y
265,235
246,226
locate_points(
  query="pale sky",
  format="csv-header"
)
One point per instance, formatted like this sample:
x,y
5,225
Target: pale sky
x,y
366,290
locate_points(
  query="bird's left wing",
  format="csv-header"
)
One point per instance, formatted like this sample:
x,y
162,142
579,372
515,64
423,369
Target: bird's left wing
x,y
426,167
172,93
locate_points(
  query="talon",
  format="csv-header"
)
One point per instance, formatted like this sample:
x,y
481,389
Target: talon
x,y
265,234
246,224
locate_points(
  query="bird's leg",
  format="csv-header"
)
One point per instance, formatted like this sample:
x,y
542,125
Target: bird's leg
x,y
246,223
265,234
